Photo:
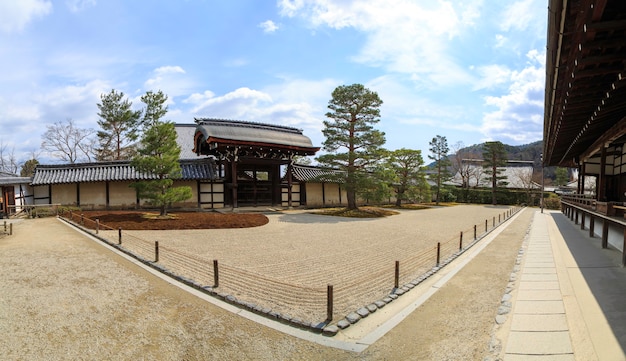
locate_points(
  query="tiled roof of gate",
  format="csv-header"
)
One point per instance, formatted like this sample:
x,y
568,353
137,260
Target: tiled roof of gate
x,y
240,131
202,169
307,173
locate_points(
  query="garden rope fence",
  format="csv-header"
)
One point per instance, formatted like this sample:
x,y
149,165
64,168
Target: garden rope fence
x,y
288,300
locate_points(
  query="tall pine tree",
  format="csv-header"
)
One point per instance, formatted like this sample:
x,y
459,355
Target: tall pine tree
x,y
494,159
352,143
439,153
119,127
159,154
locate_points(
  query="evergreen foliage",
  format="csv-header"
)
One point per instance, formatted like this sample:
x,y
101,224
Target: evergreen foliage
x,y
439,153
119,127
494,158
352,143
158,155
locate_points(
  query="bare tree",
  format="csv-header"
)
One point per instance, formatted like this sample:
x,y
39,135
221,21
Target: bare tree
x,y
8,161
66,141
461,163
524,178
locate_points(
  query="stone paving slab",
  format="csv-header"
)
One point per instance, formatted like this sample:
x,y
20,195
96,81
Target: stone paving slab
x,y
531,264
539,343
539,323
547,270
539,295
539,307
552,285
541,277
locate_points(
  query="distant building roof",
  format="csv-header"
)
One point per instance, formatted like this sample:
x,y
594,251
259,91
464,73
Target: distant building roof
x,y
200,169
213,134
184,138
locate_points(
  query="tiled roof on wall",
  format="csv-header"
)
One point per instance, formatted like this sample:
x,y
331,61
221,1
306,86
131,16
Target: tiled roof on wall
x,y
306,173
201,169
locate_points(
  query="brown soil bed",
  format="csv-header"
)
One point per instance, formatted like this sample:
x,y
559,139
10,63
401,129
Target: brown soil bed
x,y
131,220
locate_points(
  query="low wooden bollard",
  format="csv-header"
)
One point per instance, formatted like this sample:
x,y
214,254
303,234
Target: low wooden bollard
x,y
474,232
216,274
119,235
10,229
5,226
461,241
82,219
499,218
493,224
438,253
486,223
97,225
156,251
329,303
396,282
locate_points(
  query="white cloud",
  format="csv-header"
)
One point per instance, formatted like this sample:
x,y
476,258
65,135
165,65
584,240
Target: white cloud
x,y
237,103
519,112
268,26
402,36
171,80
16,14
520,15
76,6
492,76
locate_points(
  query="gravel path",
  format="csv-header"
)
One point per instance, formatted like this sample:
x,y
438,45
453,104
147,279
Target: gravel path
x,y
67,297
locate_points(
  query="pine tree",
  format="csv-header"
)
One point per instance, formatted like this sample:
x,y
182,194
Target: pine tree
x,y
494,158
354,111
159,155
439,153
119,127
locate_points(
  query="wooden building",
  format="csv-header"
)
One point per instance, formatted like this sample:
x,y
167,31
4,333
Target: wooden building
x,y
585,108
14,193
250,156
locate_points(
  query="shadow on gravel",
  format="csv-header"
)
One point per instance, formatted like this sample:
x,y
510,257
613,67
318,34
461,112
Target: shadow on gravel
x,y
306,218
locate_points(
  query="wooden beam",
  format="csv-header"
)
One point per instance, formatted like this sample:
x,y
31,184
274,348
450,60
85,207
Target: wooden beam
x,y
609,136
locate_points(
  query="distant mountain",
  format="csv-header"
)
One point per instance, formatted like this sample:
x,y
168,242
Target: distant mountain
x,y
528,152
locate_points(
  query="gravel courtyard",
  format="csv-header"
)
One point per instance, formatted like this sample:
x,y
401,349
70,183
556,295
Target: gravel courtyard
x,y
67,297
287,264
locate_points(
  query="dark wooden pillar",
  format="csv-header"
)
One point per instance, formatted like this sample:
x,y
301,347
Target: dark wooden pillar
x,y
233,174
582,220
106,191
289,185
581,176
602,180
591,225
605,233
77,194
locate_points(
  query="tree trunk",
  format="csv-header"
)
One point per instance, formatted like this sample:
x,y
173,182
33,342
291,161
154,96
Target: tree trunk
x,y
351,194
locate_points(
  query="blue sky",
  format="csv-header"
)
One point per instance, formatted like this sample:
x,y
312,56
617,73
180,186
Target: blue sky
x,y
469,70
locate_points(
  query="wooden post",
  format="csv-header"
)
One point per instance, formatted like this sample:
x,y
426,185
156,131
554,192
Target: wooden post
x,y
438,252
623,249
461,241
576,217
82,219
329,303
156,251
119,235
582,220
474,232
591,226
494,222
5,226
216,274
486,226
97,225
605,234
499,219
396,282
10,229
